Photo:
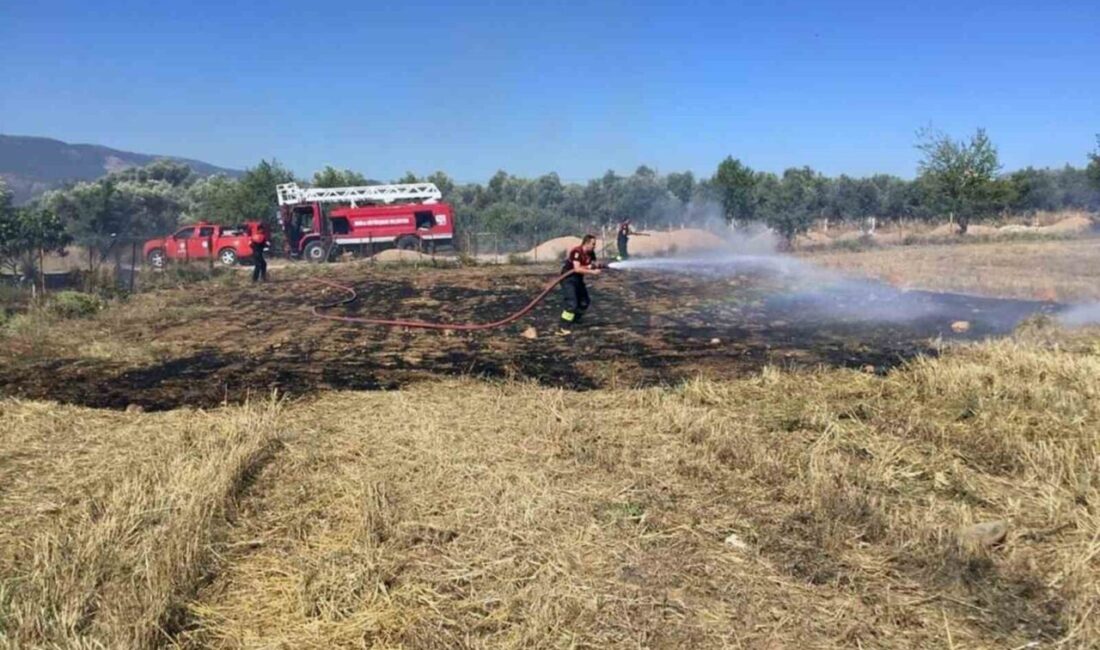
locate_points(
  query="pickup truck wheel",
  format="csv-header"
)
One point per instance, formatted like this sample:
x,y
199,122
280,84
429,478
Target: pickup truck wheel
x,y
315,252
408,243
157,258
227,256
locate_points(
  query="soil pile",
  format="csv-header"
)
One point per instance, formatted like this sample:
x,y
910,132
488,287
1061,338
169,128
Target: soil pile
x,y
1073,224
675,242
552,249
398,255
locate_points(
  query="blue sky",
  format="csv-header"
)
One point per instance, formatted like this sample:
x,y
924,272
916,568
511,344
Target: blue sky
x,y
472,88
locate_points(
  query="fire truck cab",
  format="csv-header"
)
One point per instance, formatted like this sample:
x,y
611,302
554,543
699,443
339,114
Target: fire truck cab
x,y
321,222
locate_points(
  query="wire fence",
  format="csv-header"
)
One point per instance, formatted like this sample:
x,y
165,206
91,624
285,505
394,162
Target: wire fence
x,y
121,266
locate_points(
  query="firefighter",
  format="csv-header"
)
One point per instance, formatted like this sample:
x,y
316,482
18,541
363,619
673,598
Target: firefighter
x,y
582,261
259,244
624,238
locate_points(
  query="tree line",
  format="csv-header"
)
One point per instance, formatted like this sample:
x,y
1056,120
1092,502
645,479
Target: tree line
x,y
957,179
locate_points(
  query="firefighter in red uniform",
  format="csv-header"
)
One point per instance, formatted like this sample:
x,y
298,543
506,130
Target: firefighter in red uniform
x,y
581,260
259,245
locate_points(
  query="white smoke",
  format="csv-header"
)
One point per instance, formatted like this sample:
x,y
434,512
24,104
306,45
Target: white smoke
x,y
1081,315
818,291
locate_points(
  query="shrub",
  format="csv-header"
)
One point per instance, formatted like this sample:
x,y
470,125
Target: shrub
x,y
74,304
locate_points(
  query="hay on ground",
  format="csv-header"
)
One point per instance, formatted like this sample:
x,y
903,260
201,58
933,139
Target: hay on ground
x,y
753,512
107,519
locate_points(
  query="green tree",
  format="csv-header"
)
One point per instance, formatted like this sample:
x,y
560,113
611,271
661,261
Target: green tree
x,y
1034,189
503,187
891,195
854,199
681,185
642,195
214,198
332,177
150,208
173,173
256,198
960,175
788,205
94,215
39,231
444,183
1093,169
11,231
546,192
736,184
222,199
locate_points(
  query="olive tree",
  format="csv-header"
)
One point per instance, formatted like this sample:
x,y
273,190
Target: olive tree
x,y
961,176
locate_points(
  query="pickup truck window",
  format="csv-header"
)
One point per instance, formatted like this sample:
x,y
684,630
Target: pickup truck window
x,y
206,231
185,233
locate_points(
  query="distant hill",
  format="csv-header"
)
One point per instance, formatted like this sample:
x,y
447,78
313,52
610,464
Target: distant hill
x,y
30,165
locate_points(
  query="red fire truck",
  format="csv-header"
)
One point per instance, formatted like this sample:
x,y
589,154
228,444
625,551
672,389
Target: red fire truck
x,y
201,240
322,221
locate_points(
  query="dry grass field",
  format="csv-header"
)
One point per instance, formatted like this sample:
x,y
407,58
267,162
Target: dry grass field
x,y
1065,271
945,500
789,509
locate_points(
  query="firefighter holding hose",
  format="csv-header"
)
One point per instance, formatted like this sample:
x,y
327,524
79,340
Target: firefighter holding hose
x,y
581,260
625,232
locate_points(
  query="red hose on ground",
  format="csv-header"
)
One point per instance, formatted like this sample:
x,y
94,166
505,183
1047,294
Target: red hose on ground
x,y
419,324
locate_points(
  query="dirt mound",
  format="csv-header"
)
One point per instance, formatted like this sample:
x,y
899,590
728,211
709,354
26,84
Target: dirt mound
x,y
1077,223
1015,228
398,255
646,243
944,230
688,240
981,231
552,249
692,240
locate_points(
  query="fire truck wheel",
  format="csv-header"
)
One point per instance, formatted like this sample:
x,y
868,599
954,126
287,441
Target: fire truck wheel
x,y
408,243
315,252
157,258
228,256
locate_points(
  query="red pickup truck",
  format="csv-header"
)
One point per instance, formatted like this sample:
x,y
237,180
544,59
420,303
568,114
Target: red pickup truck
x,y
230,244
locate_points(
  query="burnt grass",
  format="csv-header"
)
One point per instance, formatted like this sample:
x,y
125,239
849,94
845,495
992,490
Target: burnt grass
x,y
644,328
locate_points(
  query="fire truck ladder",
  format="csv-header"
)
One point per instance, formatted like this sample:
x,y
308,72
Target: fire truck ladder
x,y
291,194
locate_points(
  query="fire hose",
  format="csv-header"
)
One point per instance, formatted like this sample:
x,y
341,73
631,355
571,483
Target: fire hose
x,y
419,324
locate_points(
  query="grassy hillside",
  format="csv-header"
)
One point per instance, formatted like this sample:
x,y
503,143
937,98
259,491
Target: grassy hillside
x,y
32,165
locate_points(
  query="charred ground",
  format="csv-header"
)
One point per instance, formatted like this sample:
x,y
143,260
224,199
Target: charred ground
x,y
229,340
